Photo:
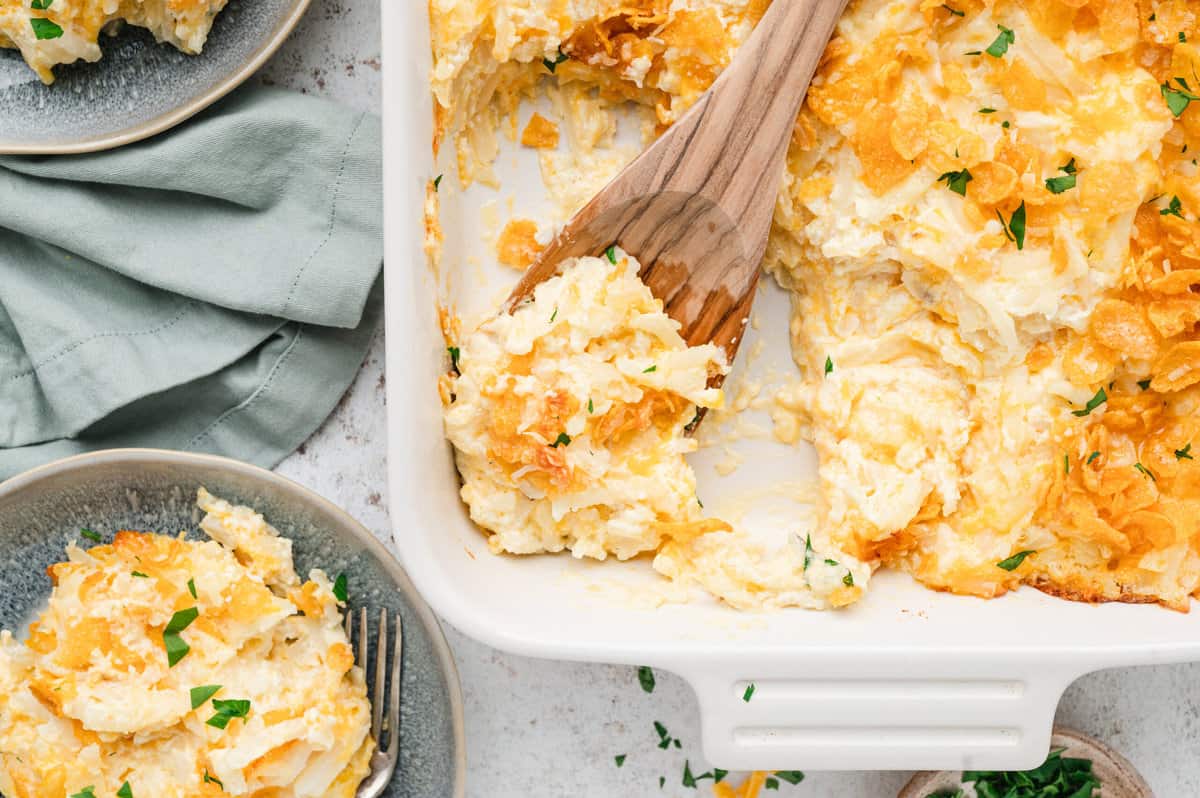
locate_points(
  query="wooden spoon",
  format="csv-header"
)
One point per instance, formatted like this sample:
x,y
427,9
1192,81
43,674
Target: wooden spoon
x,y
695,208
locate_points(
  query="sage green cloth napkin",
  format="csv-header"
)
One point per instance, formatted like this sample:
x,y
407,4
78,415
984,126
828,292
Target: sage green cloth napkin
x,y
213,289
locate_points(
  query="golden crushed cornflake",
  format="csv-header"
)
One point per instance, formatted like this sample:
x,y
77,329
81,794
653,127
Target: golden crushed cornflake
x,y
989,223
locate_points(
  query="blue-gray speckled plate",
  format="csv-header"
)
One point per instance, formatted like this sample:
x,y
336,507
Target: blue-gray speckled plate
x,y
143,489
139,88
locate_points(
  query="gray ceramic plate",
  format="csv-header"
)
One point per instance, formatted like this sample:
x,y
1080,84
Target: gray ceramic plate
x,y
41,510
139,88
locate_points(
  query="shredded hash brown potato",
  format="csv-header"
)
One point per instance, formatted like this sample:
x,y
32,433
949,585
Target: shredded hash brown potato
x,y
989,224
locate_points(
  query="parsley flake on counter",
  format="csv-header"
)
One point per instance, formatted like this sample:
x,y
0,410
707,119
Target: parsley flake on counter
x,y
790,776
957,181
611,254
1175,208
998,48
650,370
1185,453
646,678
828,365
1100,398
563,439
1092,457
771,783
664,737
690,780
1014,562
719,775
227,711
619,759
46,29
200,695
1178,99
125,792
192,588
140,575
437,182
848,579
953,10
1146,471
92,536
558,59
86,792
341,588
749,693
454,353
661,781
177,649
1014,228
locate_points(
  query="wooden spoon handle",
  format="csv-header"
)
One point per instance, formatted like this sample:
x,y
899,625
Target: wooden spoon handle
x,y
758,98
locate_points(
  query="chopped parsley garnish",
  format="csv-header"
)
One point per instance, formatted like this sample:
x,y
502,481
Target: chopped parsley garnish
x,y
957,181
848,579
125,792
211,780
92,536
953,10
200,695
1178,99
828,365
1067,777
1014,562
749,692
771,783
719,775
987,110
563,439
973,52
591,407
1182,37
437,182
177,649
664,737
1144,384
558,59
1185,453
1066,464
611,254
1014,228
86,792
646,678
341,588
649,370
1092,457
1175,208
619,759
554,315
46,29
41,5
690,780
790,776
1057,185
227,711
454,353
831,562
1005,124
192,588
808,551
1146,471
998,48
1100,398
140,575
661,781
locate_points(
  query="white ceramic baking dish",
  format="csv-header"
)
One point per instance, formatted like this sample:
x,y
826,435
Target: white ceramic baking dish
x,y
907,679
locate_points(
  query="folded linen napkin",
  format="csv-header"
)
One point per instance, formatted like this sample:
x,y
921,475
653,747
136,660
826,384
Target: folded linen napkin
x,y
213,289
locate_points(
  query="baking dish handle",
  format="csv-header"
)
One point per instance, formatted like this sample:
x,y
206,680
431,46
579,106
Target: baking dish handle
x,y
895,711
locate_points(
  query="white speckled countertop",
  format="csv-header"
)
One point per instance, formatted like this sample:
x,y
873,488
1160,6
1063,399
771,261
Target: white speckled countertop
x,y
540,729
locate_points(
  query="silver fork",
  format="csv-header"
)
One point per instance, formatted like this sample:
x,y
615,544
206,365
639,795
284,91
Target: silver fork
x,y
383,761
